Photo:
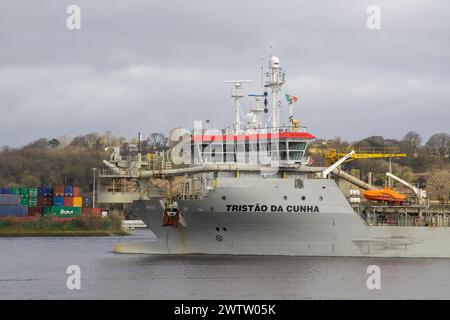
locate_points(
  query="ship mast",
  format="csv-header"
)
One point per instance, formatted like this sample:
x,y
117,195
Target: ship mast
x,y
275,82
236,94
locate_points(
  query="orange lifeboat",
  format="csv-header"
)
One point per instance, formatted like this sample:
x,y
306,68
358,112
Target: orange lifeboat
x,y
384,194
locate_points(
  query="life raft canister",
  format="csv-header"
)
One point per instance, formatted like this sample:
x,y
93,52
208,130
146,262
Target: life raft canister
x,y
171,217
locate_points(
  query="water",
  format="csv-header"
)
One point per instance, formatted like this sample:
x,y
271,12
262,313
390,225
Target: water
x,y
35,268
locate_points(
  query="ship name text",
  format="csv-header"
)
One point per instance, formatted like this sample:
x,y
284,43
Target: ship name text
x,y
271,208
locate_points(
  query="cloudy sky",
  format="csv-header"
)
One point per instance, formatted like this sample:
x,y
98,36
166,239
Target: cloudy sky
x,y
139,65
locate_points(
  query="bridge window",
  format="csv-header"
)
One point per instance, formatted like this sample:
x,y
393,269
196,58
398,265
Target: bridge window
x,y
297,145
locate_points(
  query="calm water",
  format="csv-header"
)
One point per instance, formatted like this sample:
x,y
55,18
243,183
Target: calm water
x,y
34,268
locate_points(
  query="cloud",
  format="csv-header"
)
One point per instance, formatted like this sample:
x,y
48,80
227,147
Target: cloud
x,y
153,65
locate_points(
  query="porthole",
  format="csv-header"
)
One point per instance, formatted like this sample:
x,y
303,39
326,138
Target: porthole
x,y
224,229
320,198
224,198
303,198
284,197
217,229
323,187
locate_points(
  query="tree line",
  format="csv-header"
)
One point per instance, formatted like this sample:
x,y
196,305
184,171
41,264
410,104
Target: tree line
x,y
66,160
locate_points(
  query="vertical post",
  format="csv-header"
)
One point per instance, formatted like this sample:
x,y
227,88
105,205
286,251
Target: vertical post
x,y
139,142
93,185
390,170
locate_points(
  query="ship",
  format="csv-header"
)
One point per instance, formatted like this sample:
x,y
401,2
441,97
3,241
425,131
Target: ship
x,y
251,189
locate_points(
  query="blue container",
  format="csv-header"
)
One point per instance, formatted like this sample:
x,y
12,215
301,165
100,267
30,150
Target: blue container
x,y
47,191
13,211
5,191
86,202
68,191
9,200
40,192
58,201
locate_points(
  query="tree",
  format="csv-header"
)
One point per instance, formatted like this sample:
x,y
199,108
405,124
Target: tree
x,y
439,144
412,142
438,184
30,181
54,143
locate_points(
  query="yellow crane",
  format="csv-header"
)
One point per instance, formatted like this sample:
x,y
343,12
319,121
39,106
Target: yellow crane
x,y
331,155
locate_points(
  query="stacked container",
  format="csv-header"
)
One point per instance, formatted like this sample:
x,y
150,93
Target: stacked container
x,y
10,205
33,197
58,201
24,196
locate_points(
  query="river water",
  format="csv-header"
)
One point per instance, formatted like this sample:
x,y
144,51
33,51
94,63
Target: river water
x,y
35,268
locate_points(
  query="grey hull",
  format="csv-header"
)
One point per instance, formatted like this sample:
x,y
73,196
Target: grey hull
x,y
208,227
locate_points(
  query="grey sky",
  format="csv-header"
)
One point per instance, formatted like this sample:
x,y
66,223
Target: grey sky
x,y
153,65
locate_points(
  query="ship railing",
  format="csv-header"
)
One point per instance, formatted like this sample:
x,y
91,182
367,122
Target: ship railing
x,y
229,131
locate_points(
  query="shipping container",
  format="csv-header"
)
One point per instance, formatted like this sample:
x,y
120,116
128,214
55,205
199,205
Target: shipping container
x,y
86,202
58,191
47,201
40,202
24,191
5,190
14,211
33,192
62,211
68,201
76,191
23,201
47,191
9,200
34,212
94,212
77,201
14,190
68,191
58,201
32,203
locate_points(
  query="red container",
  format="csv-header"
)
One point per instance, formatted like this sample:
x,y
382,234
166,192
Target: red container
x,y
40,202
47,201
94,212
58,191
68,201
34,212
76,192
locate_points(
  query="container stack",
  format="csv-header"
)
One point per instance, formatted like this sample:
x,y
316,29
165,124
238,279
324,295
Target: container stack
x,y
66,202
59,201
10,205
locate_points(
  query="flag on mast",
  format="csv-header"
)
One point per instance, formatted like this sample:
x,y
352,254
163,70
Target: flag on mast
x,y
291,99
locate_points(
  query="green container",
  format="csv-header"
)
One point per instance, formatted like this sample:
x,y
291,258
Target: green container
x,y
62,212
23,201
33,192
32,203
14,190
24,191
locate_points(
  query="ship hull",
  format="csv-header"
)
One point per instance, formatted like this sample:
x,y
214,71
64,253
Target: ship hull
x,y
226,229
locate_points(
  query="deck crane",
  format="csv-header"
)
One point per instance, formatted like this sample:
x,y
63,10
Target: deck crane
x,y
421,194
331,155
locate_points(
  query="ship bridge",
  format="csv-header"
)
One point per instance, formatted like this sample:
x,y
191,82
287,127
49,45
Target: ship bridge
x,y
287,147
